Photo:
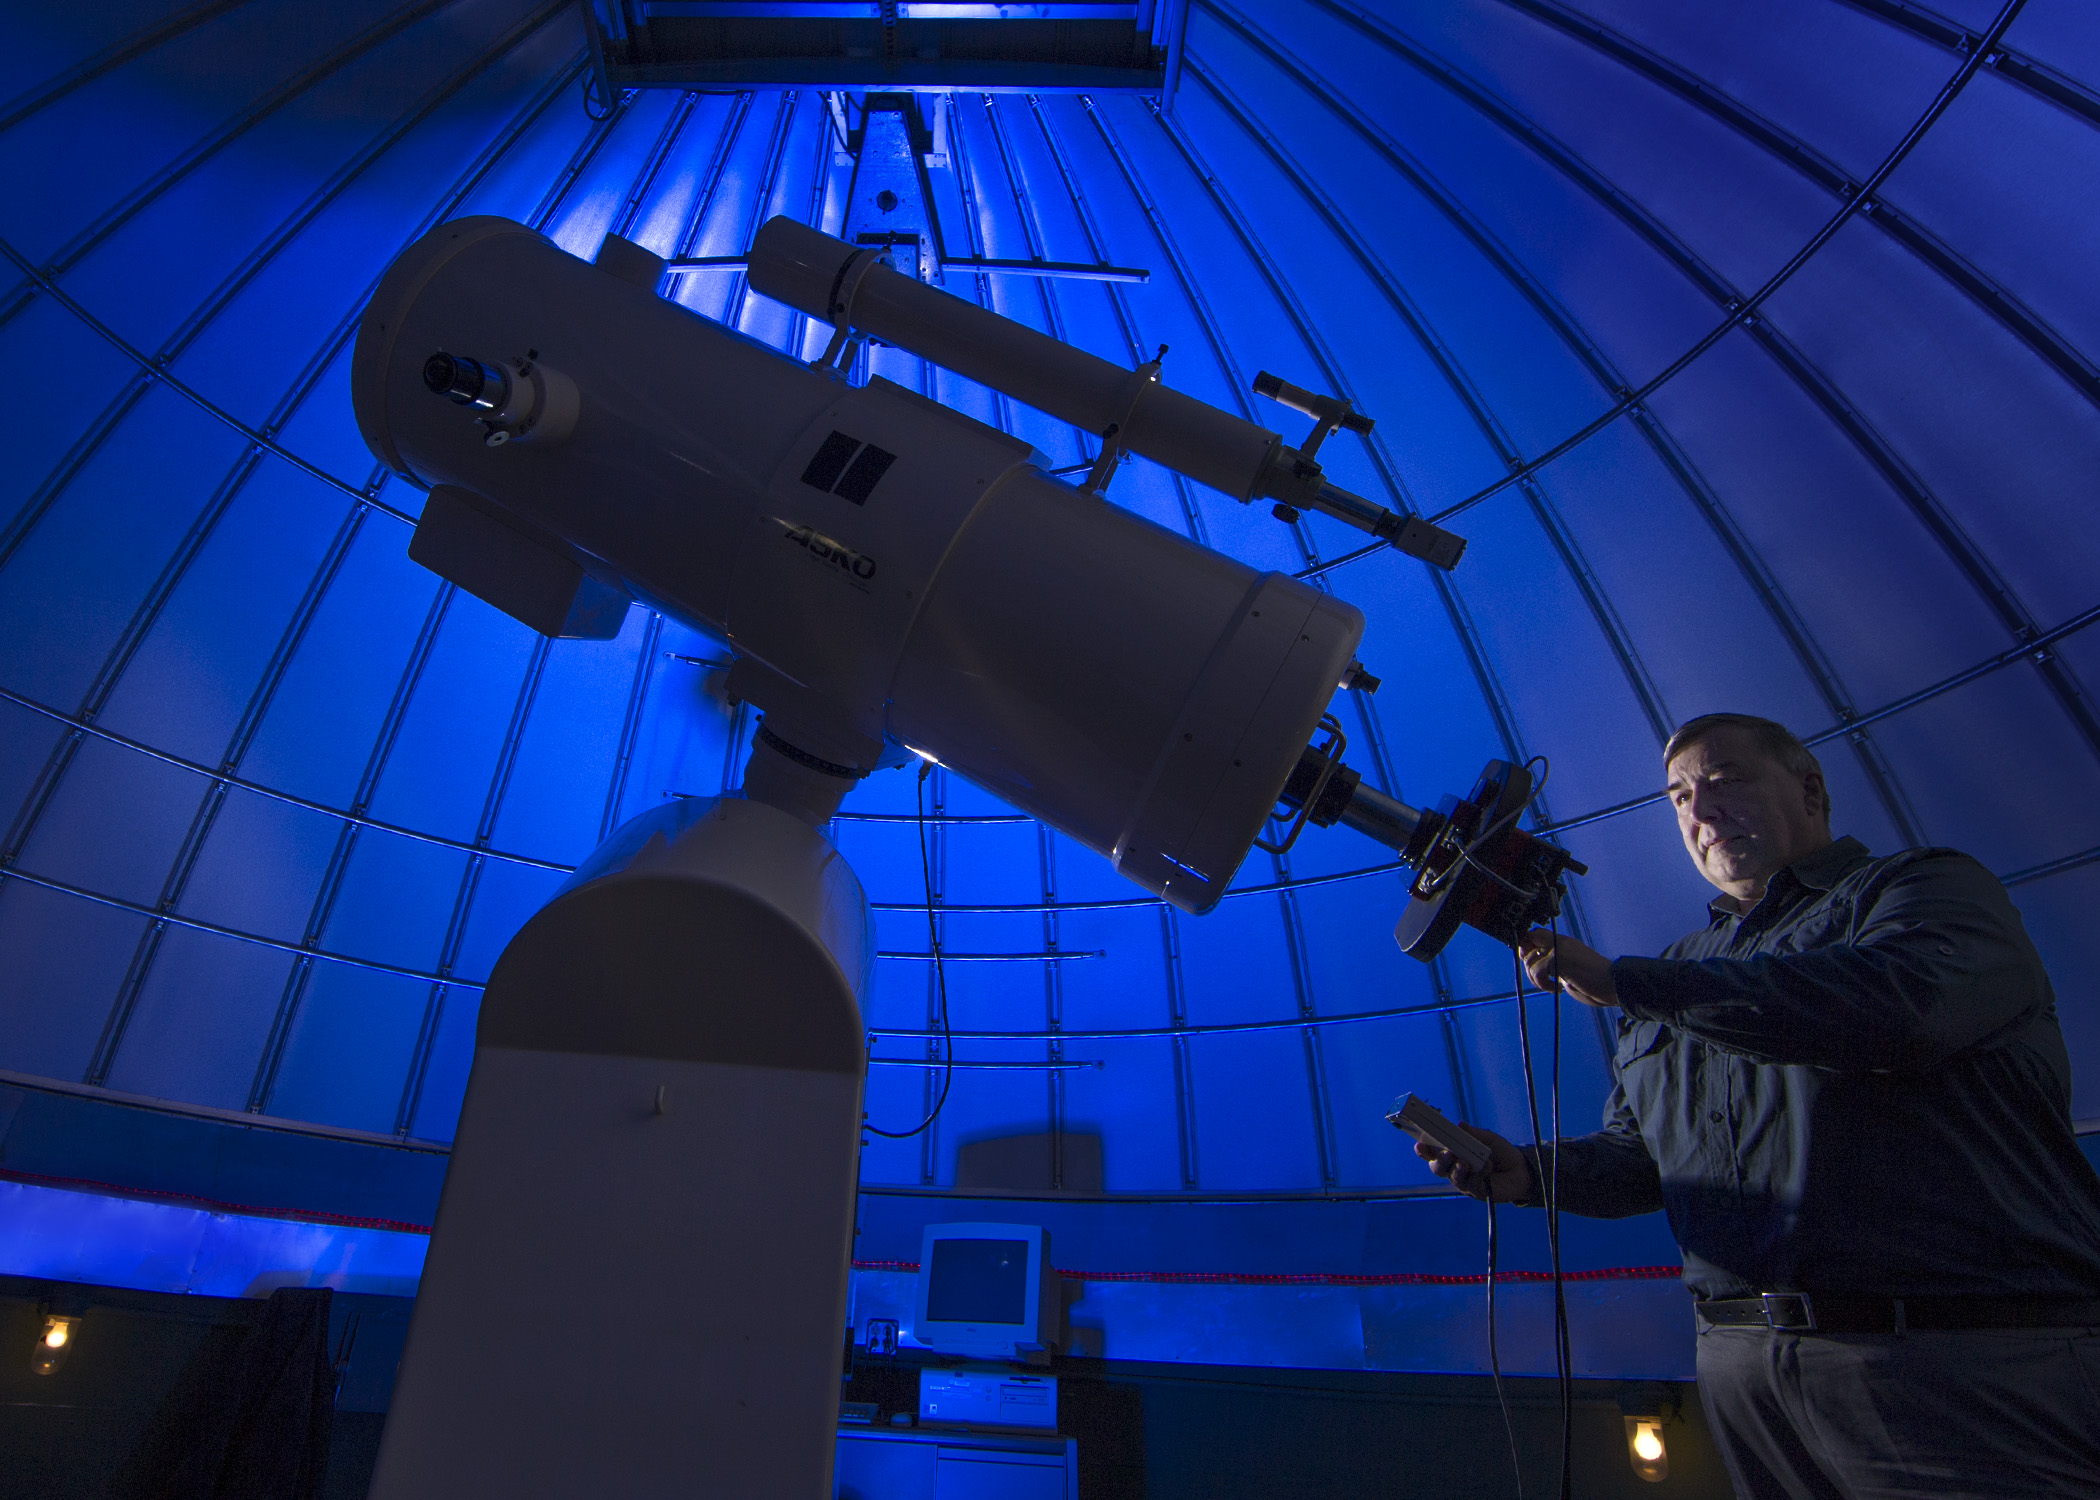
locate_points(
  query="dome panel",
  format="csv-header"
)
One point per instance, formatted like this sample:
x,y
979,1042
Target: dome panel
x,y
50,362
90,542
1837,75
348,1047
2010,226
67,958
184,676
198,1026
2057,33
113,822
260,866
2017,427
330,685
1837,536
385,900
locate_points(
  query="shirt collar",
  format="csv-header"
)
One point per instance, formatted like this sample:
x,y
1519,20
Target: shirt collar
x,y
1819,871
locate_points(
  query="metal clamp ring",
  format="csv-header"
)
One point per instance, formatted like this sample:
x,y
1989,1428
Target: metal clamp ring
x,y
845,286
1142,379
1336,747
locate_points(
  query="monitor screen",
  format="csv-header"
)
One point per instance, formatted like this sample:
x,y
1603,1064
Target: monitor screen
x,y
978,1281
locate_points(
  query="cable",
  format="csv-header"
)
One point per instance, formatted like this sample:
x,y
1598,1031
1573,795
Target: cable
x,y
940,983
1509,1428
1551,1192
1560,1294
591,109
1465,854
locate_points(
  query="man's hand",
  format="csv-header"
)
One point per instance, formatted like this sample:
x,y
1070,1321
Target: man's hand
x,y
1584,972
1508,1174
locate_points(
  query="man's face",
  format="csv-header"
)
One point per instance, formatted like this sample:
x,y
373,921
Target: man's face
x,y
1743,815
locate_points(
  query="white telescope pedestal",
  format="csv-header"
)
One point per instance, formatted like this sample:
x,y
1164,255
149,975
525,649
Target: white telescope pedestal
x,y
637,1280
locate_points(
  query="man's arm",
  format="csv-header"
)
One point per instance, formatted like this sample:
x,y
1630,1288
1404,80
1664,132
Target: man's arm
x,y
1608,1175
1939,963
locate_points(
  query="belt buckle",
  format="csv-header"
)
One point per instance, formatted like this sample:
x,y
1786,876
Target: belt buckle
x,y
1773,1305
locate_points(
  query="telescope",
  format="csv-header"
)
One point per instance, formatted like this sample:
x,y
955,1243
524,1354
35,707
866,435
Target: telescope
x,y
665,1101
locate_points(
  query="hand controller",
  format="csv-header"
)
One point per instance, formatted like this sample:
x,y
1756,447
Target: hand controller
x,y
1426,1123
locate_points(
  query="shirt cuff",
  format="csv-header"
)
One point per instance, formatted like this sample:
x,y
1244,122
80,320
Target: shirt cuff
x,y
1644,987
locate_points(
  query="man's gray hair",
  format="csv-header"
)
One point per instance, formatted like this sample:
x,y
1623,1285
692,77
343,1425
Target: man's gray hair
x,y
1770,736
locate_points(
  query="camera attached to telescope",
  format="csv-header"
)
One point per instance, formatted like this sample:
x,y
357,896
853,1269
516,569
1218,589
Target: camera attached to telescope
x,y
1474,867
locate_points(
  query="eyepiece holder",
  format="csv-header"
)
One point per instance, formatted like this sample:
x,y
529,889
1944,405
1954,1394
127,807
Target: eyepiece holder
x,y
521,402
1474,867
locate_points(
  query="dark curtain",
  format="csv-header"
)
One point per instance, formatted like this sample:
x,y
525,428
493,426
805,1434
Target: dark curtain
x,y
250,1418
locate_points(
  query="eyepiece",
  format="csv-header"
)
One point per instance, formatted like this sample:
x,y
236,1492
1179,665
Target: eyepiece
x,y
466,381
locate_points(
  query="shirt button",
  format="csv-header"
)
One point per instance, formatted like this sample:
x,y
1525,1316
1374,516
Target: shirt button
x,y
1714,1115
1947,949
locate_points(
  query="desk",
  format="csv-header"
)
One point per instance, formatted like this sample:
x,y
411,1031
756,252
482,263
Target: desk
x,y
928,1463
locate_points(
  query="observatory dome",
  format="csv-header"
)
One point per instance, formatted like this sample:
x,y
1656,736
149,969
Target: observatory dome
x,y
1752,349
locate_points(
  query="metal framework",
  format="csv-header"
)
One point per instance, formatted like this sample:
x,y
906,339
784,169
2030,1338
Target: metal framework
x,y
1065,45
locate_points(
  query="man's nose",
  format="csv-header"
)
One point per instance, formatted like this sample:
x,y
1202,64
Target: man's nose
x,y
1704,806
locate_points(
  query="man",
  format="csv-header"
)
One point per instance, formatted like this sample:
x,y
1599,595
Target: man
x,y
1851,1095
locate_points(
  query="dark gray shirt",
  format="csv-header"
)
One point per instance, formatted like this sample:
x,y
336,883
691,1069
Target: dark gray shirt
x,y
1856,1086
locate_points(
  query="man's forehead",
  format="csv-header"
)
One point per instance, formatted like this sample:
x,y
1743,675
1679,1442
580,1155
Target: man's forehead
x,y
1686,767
1712,756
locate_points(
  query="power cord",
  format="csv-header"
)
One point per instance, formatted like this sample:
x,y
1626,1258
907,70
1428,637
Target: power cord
x,y
1563,1361
1509,1428
940,982
1560,1291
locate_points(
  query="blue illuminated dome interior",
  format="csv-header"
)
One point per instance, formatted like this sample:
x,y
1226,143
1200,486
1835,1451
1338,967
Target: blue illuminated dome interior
x,y
275,797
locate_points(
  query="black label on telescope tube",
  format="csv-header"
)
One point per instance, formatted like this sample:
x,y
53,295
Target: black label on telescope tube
x,y
848,468
830,461
863,474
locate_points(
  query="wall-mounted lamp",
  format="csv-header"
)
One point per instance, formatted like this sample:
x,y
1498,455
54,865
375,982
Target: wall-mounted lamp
x,y
54,1344
1644,1446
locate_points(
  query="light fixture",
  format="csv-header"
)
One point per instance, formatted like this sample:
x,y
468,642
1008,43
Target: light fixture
x,y
1644,1446
54,1344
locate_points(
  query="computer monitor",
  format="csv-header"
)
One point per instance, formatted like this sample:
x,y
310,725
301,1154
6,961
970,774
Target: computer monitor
x,y
988,1291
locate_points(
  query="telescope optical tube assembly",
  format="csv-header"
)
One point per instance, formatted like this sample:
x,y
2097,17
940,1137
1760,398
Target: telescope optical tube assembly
x,y
888,571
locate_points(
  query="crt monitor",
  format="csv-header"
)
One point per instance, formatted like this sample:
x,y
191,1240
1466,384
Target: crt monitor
x,y
987,1290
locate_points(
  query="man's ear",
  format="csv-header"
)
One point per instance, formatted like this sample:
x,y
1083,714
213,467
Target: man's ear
x,y
1818,795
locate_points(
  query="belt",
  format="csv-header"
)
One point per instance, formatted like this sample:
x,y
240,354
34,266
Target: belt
x,y
1799,1312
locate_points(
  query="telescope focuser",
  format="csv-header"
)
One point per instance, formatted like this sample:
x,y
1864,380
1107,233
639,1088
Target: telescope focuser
x,y
519,401
1474,867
